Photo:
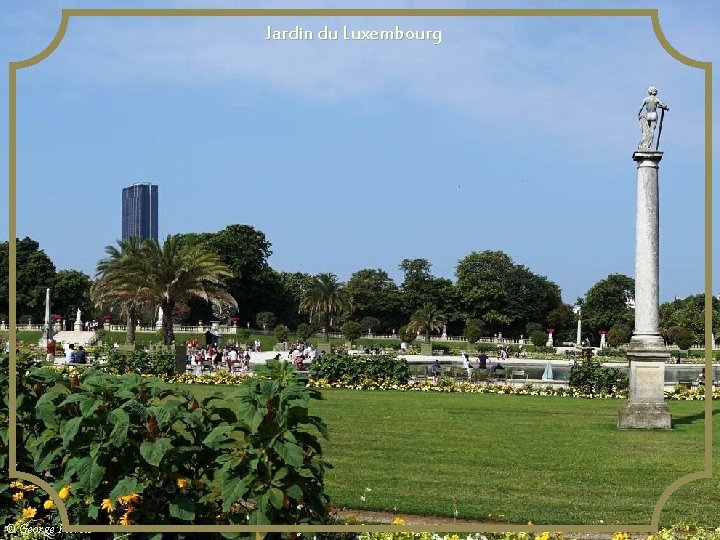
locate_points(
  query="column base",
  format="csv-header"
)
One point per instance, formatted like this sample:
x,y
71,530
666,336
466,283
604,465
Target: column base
x,y
635,415
647,342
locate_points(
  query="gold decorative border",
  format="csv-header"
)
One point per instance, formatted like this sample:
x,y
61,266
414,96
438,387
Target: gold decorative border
x,y
654,18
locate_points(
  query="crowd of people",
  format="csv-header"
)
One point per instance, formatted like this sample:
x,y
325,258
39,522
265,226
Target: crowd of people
x,y
213,358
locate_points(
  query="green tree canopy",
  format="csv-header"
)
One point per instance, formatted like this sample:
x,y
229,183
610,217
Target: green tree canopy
x,y
606,305
70,291
374,294
505,295
34,274
426,320
689,313
326,297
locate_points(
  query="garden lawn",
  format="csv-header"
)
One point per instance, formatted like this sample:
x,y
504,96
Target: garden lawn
x,y
512,459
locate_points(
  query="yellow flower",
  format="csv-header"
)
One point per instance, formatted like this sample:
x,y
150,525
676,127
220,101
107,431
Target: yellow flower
x,y
182,483
621,536
65,492
17,496
17,484
29,512
543,536
128,499
125,520
398,521
107,505
49,504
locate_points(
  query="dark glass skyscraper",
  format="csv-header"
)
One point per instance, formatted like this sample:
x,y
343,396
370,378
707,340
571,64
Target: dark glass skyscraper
x,y
140,211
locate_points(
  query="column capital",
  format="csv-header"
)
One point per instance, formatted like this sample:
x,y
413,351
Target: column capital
x,y
647,158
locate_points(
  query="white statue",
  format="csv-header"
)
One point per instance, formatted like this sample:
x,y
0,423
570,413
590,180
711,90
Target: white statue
x,y
77,316
650,120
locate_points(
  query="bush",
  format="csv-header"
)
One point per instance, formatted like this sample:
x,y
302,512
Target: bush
x,y
265,319
618,335
123,449
154,362
281,333
592,378
408,336
684,339
338,367
538,338
304,331
486,347
351,330
472,333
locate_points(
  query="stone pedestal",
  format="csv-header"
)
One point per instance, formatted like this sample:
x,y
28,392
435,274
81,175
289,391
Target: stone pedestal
x,y
78,327
646,407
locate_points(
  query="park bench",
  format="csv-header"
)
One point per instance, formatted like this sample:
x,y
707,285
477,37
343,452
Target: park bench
x,y
520,373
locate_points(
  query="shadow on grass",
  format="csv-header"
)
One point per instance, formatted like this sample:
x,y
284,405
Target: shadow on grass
x,y
689,419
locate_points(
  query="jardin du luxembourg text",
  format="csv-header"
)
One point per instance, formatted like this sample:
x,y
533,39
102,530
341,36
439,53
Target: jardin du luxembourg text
x,y
298,33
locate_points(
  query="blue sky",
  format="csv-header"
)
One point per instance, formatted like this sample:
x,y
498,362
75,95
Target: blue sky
x,y
514,134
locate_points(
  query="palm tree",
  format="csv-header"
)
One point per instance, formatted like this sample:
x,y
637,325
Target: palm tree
x,y
325,296
426,319
180,270
120,281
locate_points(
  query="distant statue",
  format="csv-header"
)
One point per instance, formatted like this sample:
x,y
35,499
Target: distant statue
x,y
649,121
77,316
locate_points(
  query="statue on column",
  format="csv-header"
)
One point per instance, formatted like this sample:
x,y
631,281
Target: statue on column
x,y
649,120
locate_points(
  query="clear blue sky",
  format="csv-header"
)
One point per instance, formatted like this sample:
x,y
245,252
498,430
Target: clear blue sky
x,y
514,134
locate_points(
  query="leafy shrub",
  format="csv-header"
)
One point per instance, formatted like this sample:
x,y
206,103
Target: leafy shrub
x,y
265,319
128,449
486,347
618,335
281,333
355,369
351,330
153,362
472,333
538,338
611,352
684,339
592,378
408,336
304,331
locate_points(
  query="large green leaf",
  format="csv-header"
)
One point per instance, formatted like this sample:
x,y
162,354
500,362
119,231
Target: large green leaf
x,y
291,453
276,497
182,507
69,429
216,436
126,486
90,474
233,489
121,421
154,451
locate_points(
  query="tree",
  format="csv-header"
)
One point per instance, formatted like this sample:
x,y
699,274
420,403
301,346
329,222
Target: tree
x,y
70,291
406,334
563,320
538,338
351,330
326,297
244,251
689,313
420,287
291,288
606,304
427,319
368,323
177,271
265,319
374,294
505,295
121,283
34,273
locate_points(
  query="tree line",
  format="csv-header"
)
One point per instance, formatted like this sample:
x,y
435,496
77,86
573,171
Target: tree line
x,y
223,275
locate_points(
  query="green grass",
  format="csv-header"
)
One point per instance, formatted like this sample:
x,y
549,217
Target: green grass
x,y
519,458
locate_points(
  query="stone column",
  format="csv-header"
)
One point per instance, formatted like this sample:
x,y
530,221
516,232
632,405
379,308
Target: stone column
x,y
578,337
647,354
